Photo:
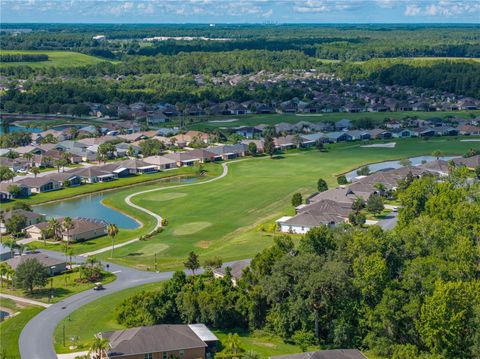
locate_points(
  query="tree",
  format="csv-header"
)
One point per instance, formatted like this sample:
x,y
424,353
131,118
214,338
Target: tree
x,y
28,156
233,344
55,228
342,180
304,339
14,190
4,267
212,263
375,203
357,219
319,145
318,240
112,231
364,171
35,170
322,185
297,140
269,146
297,199
12,244
252,148
6,174
67,225
437,154
192,262
15,224
29,274
405,162
98,348
477,171
358,204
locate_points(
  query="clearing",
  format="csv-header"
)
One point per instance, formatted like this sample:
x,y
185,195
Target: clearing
x,y
55,58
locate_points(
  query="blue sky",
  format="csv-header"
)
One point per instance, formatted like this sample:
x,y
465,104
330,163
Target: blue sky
x,y
241,11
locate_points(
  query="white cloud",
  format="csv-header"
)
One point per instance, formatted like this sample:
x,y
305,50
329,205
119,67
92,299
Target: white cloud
x,y
444,8
310,6
412,10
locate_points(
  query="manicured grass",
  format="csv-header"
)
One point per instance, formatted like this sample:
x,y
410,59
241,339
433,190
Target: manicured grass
x,y
221,218
64,285
263,343
92,318
55,58
272,119
11,328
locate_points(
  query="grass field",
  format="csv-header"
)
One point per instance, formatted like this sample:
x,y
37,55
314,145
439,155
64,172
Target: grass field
x,y
55,59
222,218
63,285
99,315
202,123
11,328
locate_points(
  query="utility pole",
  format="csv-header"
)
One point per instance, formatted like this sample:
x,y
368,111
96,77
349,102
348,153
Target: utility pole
x,y
155,263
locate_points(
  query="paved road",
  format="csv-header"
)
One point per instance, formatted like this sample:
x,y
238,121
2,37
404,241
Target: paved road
x,y
389,222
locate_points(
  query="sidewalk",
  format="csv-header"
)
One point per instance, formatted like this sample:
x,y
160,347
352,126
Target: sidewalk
x,y
24,300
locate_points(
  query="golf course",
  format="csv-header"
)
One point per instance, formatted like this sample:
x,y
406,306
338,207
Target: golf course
x,y
229,218
55,58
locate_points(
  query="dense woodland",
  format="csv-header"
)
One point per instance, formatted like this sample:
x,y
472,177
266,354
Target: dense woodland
x,y
165,71
411,292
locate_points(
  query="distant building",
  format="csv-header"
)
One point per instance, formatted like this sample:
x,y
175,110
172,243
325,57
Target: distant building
x,y
99,37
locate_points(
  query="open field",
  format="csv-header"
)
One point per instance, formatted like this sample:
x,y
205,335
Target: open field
x,y
274,118
222,218
99,315
55,59
10,329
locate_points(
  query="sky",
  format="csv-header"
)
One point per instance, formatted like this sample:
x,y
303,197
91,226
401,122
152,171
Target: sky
x,y
241,11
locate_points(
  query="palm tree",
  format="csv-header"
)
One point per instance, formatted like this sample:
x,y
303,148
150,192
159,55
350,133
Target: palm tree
x,y
28,156
233,344
35,170
44,233
67,226
55,227
12,244
437,154
98,347
3,271
112,231
10,273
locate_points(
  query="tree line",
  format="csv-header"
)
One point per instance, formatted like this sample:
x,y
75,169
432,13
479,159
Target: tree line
x,y
409,292
23,57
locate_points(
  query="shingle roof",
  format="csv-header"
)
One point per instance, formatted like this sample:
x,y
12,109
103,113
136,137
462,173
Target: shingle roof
x,y
325,354
152,339
41,257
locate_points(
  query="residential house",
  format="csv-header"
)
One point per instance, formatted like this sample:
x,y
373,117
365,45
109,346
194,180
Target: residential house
x,y
182,140
16,164
129,167
468,130
402,133
40,184
323,212
161,342
236,270
339,136
438,166
183,158
83,229
53,265
247,131
67,179
343,124
122,149
161,162
5,194
470,162
359,135
30,217
228,152
94,175
378,133
258,143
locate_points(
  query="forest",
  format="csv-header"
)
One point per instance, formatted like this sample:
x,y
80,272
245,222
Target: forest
x,y
410,292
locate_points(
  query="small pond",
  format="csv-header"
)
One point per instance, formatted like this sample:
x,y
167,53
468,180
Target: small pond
x,y
374,167
90,206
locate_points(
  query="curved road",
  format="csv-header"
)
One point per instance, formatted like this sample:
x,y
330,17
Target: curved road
x,y
36,338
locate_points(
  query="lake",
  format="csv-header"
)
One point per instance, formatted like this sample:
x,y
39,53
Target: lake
x,y
91,206
15,128
374,167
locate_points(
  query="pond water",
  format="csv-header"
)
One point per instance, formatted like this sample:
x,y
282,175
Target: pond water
x,y
15,128
396,164
91,206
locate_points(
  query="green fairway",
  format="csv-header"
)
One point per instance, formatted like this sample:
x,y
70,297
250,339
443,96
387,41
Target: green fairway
x,y
212,122
55,59
222,218
11,328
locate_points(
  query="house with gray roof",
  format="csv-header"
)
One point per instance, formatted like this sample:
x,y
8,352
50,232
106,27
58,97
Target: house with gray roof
x,y
325,354
53,265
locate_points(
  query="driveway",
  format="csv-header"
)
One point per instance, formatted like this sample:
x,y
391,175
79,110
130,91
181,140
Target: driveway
x,y
36,339
389,221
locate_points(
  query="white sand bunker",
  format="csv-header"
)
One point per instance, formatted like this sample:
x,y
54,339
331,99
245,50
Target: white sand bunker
x,y
224,121
382,145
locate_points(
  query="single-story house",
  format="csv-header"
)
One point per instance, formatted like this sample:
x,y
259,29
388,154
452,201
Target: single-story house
x,y
160,342
83,229
5,194
378,133
236,270
94,175
40,184
469,162
247,131
468,130
54,265
31,218
161,162
228,152
182,158
359,135
66,178
258,143
438,166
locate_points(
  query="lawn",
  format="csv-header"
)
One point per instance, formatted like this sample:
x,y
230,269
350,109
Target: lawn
x,y
11,328
63,285
55,58
222,218
99,315
203,123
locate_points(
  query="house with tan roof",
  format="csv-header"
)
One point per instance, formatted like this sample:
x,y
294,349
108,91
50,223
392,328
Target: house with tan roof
x,y
83,229
40,184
